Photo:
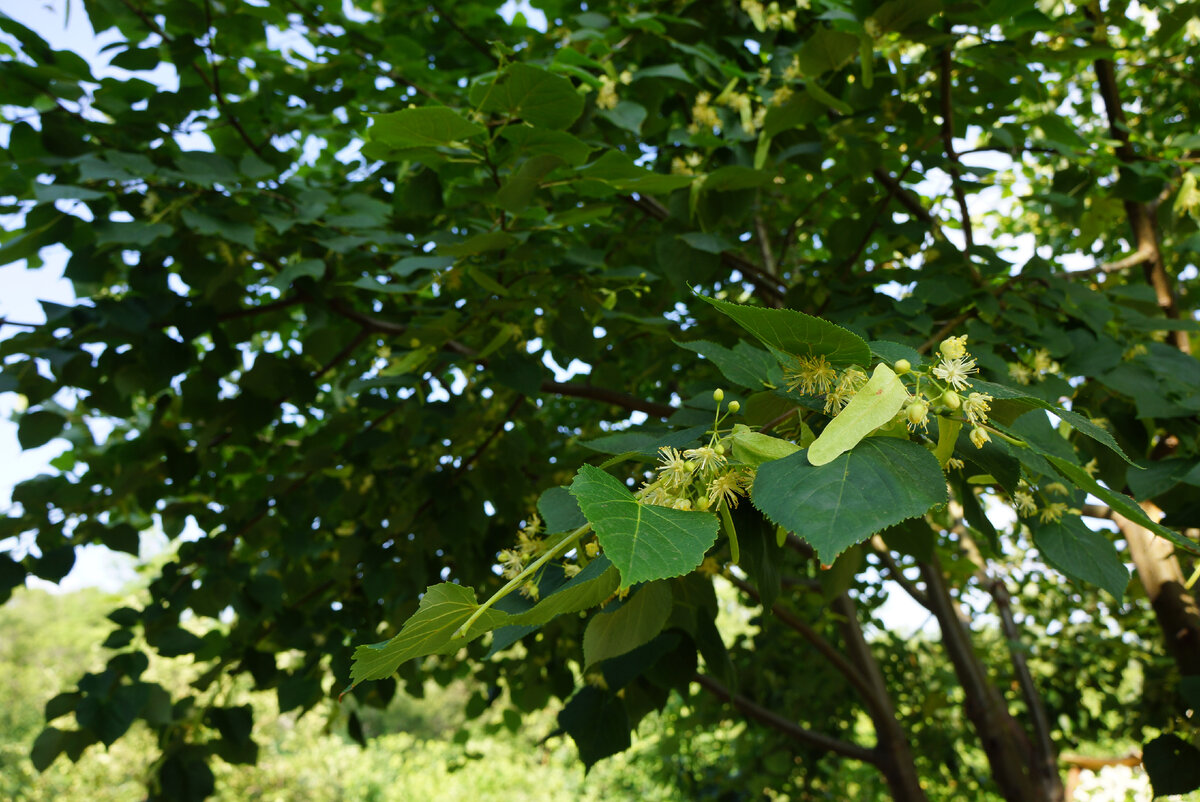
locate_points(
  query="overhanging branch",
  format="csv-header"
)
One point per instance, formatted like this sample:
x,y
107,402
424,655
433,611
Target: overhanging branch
x,y
756,712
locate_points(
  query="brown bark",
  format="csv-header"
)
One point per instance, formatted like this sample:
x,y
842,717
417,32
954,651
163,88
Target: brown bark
x,y
1161,575
1157,566
895,758
1009,752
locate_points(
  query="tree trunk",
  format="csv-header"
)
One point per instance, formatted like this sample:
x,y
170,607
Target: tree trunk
x,y
892,746
1009,752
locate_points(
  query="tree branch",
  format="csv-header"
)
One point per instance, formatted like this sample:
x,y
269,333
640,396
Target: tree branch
x,y
947,67
261,309
1043,742
835,658
471,40
614,397
762,715
763,282
896,573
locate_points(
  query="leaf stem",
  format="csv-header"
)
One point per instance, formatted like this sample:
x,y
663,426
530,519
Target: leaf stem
x,y
514,583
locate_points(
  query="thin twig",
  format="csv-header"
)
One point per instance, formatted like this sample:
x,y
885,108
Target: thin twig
x,y
753,710
948,142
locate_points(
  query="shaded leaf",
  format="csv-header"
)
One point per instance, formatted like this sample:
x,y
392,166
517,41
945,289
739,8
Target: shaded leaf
x,y
1082,554
637,621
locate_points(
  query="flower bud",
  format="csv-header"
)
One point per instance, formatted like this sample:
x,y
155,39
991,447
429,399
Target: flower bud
x,y
718,394
902,366
734,406
979,436
917,411
952,400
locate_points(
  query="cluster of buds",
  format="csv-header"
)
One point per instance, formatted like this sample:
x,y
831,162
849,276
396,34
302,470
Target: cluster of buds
x,y
948,391
698,478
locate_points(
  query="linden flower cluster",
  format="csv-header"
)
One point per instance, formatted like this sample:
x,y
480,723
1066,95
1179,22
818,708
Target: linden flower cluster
x,y
954,367
1033,367
813,375
697,478
1026,506
607,98
529,546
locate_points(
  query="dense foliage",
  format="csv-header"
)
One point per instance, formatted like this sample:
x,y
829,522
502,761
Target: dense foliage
x,y
327,272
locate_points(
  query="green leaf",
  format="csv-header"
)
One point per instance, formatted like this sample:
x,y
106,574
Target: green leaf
x,y
1082,554
1173,765
560,511
598,723
735,177
312,268
619,172
49,744
896,15
443,609
643,541
797,333
756,448
637,621
480,243
532,140
627,115
590,587
1119,502
427,126
876,404
1014,403
879,483
39,427
826,50
744,365
136,233
643,441
518,191
537,96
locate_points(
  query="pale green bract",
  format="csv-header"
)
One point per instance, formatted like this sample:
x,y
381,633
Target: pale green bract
x,y
875,405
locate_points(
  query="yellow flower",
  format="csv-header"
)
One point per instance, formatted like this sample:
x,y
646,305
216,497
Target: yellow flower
x,y
1092,467
591,549
571,570
1024,503
955,371
530,590
1019,373
1042,362
607,98
705,458
1053,512
976,407
954,347
675,470
813,375
1055,487
979,436
512,561
727,487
